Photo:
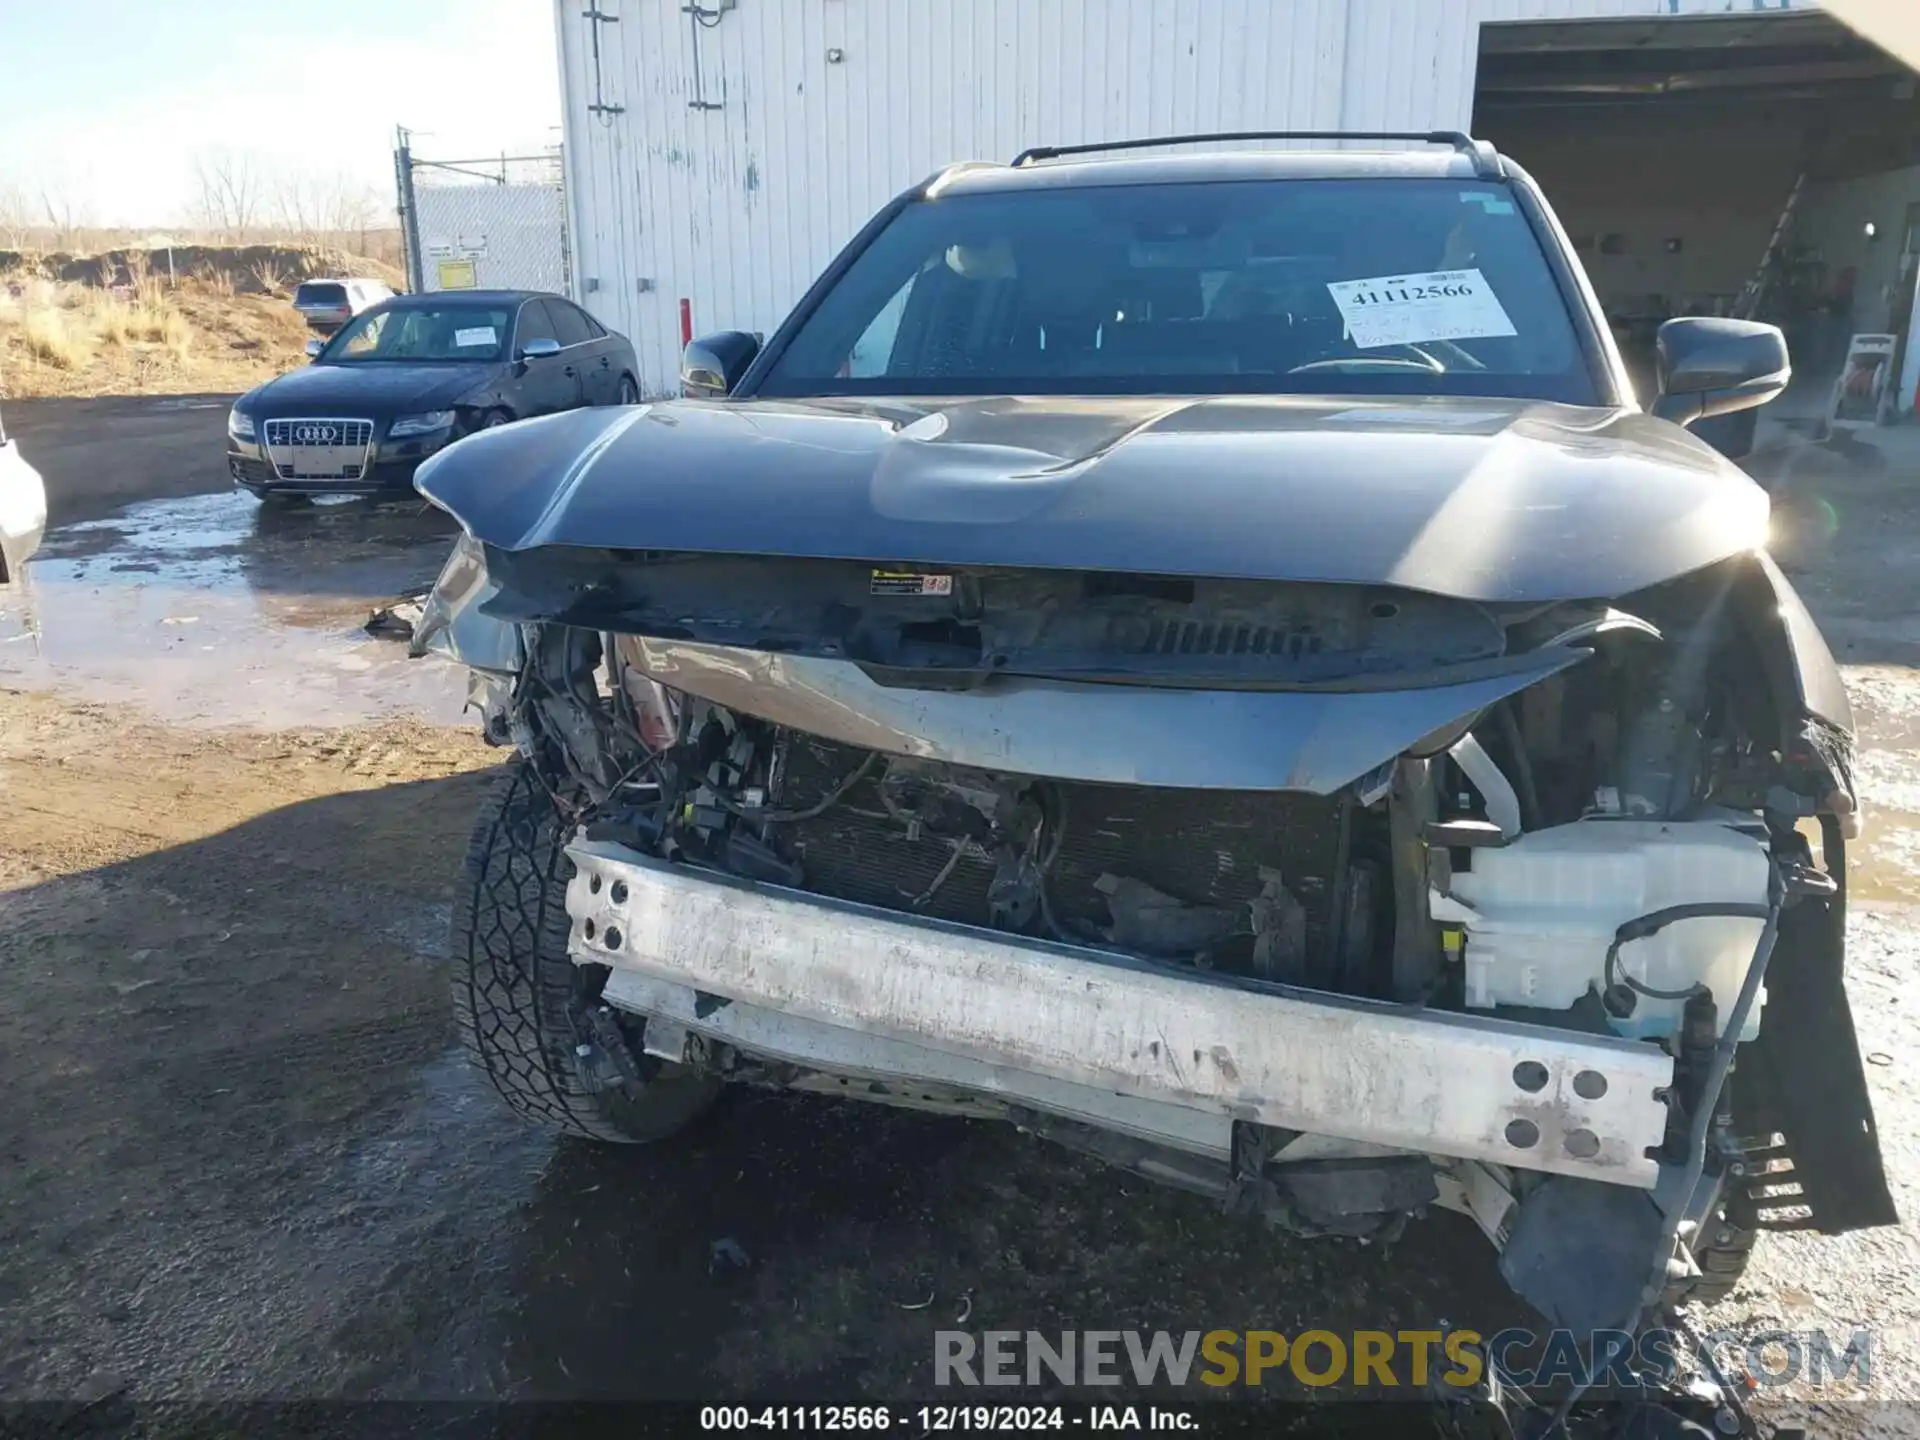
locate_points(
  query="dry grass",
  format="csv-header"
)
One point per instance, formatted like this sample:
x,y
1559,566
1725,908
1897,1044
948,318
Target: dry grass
x,y
58,338
216,280
47,340
268,276
146,320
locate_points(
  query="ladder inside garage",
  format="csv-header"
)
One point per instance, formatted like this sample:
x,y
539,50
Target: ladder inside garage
x,y
1746,304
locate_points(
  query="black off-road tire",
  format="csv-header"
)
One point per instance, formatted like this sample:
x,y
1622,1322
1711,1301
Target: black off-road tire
x,y
516,991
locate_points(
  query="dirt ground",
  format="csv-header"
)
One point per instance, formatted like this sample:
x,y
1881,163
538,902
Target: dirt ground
x,y
240,1157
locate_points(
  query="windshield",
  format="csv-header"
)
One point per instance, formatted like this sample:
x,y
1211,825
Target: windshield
x,y
320,293
421,332
1400,287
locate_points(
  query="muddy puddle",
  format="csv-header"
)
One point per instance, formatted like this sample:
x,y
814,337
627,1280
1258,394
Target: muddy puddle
x,y
215,610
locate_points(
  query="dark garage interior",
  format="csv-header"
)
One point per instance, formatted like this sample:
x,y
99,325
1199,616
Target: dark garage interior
x,y
1674,148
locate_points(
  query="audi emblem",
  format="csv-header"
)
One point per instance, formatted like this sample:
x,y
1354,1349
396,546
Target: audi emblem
x,y
315,435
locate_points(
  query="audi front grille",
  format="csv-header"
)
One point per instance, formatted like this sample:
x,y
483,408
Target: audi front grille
x,y
319,448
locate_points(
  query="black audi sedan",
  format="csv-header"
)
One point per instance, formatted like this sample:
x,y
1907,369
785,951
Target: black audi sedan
x,y
411,376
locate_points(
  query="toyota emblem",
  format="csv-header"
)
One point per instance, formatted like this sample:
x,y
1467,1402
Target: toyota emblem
x,y
315,435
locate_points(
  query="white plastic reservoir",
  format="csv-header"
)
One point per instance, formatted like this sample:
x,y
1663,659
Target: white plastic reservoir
x,y
1543,910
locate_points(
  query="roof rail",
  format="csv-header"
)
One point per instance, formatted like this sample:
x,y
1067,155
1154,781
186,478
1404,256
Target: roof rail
x,y
1485,163
938,181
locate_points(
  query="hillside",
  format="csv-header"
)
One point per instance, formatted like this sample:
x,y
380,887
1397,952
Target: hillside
x,y
114,325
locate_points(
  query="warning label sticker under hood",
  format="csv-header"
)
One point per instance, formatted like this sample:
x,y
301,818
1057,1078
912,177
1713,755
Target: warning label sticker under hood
x,y
910,582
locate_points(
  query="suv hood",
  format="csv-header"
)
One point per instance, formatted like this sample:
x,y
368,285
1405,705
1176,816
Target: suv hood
x,y
1480,499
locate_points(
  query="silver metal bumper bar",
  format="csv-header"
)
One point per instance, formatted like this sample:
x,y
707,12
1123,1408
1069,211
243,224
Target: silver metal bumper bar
x,y
1443,1084
906,1074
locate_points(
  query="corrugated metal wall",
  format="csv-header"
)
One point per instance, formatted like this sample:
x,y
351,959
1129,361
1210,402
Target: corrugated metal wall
x,y
744,149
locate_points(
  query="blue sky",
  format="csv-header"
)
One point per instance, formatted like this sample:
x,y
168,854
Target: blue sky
x,y
108,102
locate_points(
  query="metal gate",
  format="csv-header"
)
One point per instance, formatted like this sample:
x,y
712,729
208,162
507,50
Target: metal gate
x,y
494,224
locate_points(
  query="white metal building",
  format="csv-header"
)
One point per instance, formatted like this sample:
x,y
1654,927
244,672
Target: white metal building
x,y
719,155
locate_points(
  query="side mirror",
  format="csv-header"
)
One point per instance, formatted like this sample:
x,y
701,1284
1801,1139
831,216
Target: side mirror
x,y
1709,367
315,346
539,348
712,365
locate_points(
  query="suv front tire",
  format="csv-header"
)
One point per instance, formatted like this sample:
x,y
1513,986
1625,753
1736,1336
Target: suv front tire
x,y
517,993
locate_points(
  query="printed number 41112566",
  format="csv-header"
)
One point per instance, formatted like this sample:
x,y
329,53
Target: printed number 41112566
x,y
1410,292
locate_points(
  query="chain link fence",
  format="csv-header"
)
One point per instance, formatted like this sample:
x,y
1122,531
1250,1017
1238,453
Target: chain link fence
x,y
498,223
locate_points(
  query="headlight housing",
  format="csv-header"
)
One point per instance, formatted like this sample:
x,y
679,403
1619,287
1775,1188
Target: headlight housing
x,y
450,621
239,425
430,423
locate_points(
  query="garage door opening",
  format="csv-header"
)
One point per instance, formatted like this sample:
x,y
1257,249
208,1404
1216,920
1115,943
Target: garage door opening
x,y
1759,164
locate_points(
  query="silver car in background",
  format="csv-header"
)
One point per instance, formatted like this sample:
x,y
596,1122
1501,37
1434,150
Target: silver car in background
x,y
329,304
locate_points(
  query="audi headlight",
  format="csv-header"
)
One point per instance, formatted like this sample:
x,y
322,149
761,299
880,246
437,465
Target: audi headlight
x,y
430,423
239,426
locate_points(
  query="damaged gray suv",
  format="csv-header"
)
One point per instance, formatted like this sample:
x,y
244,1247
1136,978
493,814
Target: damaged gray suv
x,y
1204,657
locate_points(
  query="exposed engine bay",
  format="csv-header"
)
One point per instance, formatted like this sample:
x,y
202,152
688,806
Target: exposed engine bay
x,y
1488,865
1599,828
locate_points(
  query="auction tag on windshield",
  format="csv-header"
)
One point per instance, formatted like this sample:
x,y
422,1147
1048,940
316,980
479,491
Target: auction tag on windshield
x,y
478,335
1406,309
910,582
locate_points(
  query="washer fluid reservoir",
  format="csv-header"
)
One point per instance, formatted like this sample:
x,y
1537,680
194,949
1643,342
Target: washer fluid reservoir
x,y
1541,912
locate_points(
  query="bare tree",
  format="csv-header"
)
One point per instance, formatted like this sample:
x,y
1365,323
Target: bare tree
x,y
350,205
294,207
66,217
325,207
230,193
16,217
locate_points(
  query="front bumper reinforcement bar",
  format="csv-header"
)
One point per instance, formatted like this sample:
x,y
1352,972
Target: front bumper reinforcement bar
x,y
1420,1080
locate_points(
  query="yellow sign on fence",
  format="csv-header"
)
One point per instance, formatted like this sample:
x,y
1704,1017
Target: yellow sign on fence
x,y
456,274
